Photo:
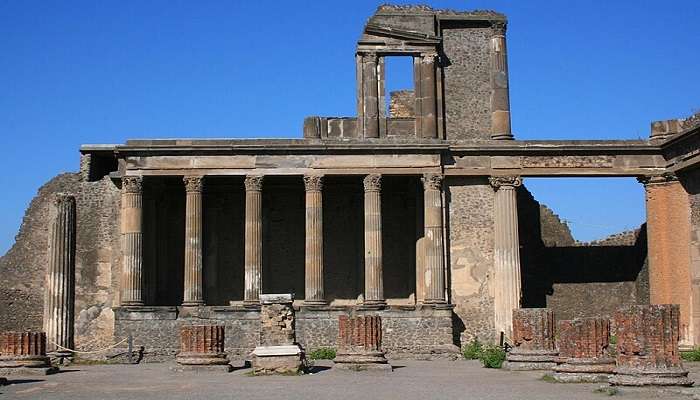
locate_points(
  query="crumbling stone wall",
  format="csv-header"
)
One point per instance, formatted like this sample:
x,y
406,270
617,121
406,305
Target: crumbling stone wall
x,y
23,268
402,104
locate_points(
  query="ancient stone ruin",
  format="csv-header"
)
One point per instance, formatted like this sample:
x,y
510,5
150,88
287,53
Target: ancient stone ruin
x,y
533,340
360,344
647,347
584,355
24,353
202,349
277,351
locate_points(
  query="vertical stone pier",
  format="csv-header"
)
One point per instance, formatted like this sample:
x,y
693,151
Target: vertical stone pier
x,y
647,346
360,344
132,241
253,239
500,98
193,295
426,114
374,285
24,353
368,99
507,286
277,351
434,265
533,340
202,348
584,350
59,298
313,288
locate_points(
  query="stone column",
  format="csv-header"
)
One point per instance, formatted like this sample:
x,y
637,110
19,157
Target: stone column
x,y
132,241
314,294
584,350
427,103
193,295
202,348
370,95
434,269
24,353
506,252
500,102
59,298
360,344
253,239
533,340
374,285
647,346
672,280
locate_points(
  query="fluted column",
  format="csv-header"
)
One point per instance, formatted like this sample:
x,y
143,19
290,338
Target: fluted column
x,y
193,295
374,285
314,294
253,239
59,298
506,252
500,101
434,266
132,241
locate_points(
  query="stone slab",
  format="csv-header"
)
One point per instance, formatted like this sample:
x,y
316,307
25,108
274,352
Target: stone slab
x,y
269,351
276,298
361,367
528,366
28,371
578,377
202,368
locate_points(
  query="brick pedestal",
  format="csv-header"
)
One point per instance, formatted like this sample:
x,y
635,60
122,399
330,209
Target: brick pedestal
x,y
647,346
583,350
359,344
202,348
24,353
277,351
533,340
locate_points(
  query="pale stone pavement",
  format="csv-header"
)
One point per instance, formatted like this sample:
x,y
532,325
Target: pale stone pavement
x,y
418,380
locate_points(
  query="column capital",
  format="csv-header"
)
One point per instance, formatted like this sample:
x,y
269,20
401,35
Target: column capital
x,y
63,198
498,28
373,183
666,177
313,183
368,56
432,181
132,184
193,183
253,182
508,181
428,57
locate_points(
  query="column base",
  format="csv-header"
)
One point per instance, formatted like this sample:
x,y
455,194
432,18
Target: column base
x,y
252,304
314,303
132,303
372,305
502,136
192,304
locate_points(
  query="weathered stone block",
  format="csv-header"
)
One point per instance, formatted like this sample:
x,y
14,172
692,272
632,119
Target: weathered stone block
x,y
24,353
202,345
647,346
359,343
583,350
533,340
277,351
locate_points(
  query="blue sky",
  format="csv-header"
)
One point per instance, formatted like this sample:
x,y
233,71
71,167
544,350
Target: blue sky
x,y
104,71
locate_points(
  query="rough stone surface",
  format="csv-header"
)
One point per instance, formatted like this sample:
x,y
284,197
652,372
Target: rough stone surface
x,y
647,346
277,351
402,104
584,350
533,340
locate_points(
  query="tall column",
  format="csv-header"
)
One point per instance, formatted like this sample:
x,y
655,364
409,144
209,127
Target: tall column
x,y
427,120
374,285
193,241
506,252
369,101
253,239
434,270
500,101
314,294
59,298
132,241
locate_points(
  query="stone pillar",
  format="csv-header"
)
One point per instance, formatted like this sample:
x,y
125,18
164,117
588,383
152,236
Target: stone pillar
x,y
434,269
202,347
426,118
24,353
368,107
533,340
507,289
132,241
59,298
647,346
500,102
360,344
193,241
584,350
253,239
374,285
314,294
277,351
671,278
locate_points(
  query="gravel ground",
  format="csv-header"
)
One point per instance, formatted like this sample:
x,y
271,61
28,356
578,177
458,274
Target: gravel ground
x,y
410,380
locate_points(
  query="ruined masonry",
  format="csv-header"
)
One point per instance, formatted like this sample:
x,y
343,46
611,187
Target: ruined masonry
x,y
415,210
24,353
202,348
360,344
278,351
584,354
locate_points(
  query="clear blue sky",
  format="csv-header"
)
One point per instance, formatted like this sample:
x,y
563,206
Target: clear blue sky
x,y
74,72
